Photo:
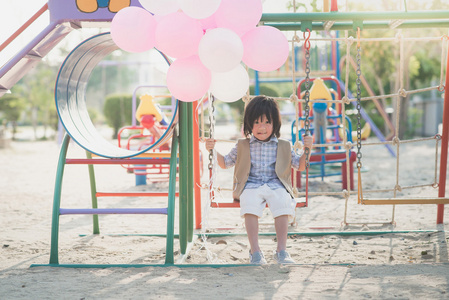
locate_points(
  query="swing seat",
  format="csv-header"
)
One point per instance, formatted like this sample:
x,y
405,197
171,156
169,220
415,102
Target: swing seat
x,y
396,201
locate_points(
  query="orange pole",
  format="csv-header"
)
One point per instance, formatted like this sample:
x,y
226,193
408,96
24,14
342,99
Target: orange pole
x,y
326,6
196,167
24,26
444,148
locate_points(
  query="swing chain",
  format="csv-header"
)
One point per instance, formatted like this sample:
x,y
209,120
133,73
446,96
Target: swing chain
x,y
211,129
307,84
307,93
359,107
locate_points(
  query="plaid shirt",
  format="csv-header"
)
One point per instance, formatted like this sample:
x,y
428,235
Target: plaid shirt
x,y
263,161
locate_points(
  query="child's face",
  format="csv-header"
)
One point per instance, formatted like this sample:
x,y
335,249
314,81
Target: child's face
x,y
262,129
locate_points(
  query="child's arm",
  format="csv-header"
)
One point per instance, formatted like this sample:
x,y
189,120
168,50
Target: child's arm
x,y
308,141
210,145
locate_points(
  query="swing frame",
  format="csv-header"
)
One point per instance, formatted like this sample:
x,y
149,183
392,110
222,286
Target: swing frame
x,y
377,20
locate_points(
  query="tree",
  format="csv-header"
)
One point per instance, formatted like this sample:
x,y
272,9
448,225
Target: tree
x,y
117,111
12,107
37,87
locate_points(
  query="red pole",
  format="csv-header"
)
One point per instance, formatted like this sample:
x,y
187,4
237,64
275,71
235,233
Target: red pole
x,y
24,26
444,148
334,5
196,166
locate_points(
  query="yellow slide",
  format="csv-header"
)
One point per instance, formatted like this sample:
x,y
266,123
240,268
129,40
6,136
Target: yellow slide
x,y
366,131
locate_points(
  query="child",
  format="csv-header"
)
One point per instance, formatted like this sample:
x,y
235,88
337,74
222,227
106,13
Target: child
x,y
262,174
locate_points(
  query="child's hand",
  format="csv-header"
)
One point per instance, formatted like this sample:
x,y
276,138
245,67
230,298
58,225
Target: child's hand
x,y
210,144
308,141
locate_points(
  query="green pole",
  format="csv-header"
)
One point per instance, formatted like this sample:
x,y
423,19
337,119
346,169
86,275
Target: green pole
x,y
319,26
169,256
57,201
355,16
183,174
190,185
93,194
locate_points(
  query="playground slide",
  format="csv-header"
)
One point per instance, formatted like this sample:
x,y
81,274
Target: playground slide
x,y
73,75
366,117
65,16
31,54
70,99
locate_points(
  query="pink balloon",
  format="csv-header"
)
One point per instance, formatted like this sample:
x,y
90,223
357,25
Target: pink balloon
x,y
187,79
239,15
208,23
178,35
265,48
133,29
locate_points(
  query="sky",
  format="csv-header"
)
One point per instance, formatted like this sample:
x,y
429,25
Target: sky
x,y
12,15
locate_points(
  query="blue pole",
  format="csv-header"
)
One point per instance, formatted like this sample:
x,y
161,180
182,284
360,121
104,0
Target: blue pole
x,y
256,83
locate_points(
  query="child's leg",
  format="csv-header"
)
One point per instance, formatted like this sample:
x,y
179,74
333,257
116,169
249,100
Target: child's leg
x,y
281,226
282,206
252,230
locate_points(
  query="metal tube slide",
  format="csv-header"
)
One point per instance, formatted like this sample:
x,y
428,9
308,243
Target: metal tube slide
x,y
70,97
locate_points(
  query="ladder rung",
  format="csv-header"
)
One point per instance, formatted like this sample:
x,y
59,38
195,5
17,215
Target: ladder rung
x,y
148,155
134,194
117,161
33,56
396,201
108,211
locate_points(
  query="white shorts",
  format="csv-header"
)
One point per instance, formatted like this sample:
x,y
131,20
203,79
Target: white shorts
x,y
280,202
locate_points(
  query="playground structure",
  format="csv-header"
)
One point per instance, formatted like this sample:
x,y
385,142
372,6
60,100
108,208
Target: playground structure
x,y
153,124
329,69
70,101
71,104
327,126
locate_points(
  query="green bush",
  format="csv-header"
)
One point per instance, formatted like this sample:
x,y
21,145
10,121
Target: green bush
x,y
118,111
12,106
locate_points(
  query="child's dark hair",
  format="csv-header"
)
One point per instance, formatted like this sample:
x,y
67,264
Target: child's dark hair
x,y
256,108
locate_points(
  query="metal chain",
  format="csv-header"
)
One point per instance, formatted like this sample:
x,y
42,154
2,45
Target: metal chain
x,y
359,107
211,129
307,94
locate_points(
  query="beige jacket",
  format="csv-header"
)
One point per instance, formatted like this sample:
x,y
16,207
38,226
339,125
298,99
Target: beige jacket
x,y
243,166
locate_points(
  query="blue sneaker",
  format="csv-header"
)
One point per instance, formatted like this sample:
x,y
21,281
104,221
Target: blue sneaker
x,y
283,257
257,258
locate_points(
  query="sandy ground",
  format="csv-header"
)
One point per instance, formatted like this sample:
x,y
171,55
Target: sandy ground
x,y
359,260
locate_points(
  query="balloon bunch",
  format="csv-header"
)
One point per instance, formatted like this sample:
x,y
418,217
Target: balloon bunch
x,y
208,40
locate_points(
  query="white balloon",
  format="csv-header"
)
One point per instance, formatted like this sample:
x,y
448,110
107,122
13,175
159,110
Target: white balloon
x,y
230,86
199,9
160,7
220,50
